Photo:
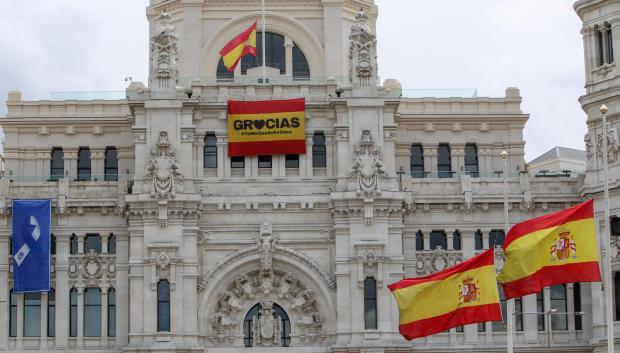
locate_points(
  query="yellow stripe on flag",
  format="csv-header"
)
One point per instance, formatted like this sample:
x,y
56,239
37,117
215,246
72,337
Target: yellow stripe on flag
x,y
235,54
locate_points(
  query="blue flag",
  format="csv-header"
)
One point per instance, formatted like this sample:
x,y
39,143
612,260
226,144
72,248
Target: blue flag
x,y
31,245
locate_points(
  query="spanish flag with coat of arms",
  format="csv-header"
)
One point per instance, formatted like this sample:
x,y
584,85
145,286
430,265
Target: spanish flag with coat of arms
x,y
557,248
460,295
240,46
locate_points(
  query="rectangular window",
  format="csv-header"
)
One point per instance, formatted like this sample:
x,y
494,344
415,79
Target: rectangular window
x,y
291,161
600,57
456,240
471,159
51,313
559,320
264,161
610,44
416,160
617,294
500,326
111,164
518,314
210,151
479,240
73,313
496,238
57,164
163,306
112,244
92,312
482,327
319,151
444,161
540,308
577,303
92,242
32,314
438,239
370,304
83,164
237,162
419,241
73,245
112,312
13,314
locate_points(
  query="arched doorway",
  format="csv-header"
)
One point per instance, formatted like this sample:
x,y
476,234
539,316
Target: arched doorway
x,y
270,321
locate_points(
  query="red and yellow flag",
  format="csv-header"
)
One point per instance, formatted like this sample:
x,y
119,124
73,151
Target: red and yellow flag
x,y
557,248
240,46
460,295
266,127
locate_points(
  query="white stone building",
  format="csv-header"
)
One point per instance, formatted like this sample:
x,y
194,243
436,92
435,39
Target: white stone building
x,y
162,243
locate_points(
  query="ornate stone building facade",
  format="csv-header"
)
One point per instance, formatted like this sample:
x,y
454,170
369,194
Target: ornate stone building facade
x,y
162,243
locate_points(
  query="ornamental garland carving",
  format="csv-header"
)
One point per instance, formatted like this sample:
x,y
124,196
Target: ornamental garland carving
x,y
368,171
163,173
92,268
431,261
164,52
363,51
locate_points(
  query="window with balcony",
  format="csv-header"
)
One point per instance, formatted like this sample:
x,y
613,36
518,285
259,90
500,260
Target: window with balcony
x,y
559,320
419,241
57,164
319,152
416,160
456,240
111,164
438,239
496,238
83,164
92,312
478,240
444,161
370,303
471,159
92,242
210,151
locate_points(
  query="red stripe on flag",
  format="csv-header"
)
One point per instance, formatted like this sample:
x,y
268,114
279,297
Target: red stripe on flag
x,y
266,107
459,317
236,149
552,275
485,258
240,39
584,210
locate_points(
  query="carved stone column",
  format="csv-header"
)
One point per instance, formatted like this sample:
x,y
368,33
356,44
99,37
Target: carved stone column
x,y
104,314
80,316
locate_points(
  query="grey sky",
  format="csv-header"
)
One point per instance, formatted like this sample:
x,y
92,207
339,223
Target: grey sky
x,y
64,45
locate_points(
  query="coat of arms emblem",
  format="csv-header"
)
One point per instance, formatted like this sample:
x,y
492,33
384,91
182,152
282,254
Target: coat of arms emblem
x,y
564,246
162,171
468,291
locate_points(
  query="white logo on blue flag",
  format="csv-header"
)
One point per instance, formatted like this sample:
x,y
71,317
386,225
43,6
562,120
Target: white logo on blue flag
x,y
31,245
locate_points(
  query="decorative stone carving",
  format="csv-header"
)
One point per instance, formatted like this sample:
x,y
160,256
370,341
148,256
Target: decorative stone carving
x,y
163,263
615,250
266,243
587,139
92,268
162,171
266,327
613,143
367,171
164,53
500,258
363,51
430,261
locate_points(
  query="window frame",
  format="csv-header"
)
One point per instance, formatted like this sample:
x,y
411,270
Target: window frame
x,y
90,310
371,314
111,312
110,169
209,152
163,306
416,161
319,150
471,161
444,169
265,161
57,164
51,313
84,164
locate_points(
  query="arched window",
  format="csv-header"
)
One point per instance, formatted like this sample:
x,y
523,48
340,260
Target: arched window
x,y
111,312
210,151
274,54
471,159
92,242
559,321
111,164
73,313
32,314
444,161
319,152
57,164
278,313
13,314
438,239
301,70
163,306
496,237
112,244
73,245
51,313
478,240
83,163
416,160
456,240
419,241
92,312
609,43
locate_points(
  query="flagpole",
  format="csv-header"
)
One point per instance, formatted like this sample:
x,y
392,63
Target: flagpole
x,y
263,40
510,303
606,239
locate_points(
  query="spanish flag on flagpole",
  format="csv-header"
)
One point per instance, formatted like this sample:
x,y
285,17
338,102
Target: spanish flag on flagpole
x,y
240,46
557,248
460,295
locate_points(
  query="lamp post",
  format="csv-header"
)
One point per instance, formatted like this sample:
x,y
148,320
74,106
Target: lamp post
x,y
510,304
606,239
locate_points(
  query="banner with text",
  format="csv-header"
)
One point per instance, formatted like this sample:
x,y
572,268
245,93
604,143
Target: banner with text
x,y
266,127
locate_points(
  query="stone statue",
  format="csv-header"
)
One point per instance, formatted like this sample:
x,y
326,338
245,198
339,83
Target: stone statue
x,y
164,52
367,170
363,51
266,243
162,171
613,143
267,327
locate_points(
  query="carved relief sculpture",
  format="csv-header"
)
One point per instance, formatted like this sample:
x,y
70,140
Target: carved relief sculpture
x,y
267,328
367,170
613,143
266,243
363,51
164,51
162,171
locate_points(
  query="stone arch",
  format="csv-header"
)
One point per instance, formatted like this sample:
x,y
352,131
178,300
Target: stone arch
x,y
233,285
277,23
